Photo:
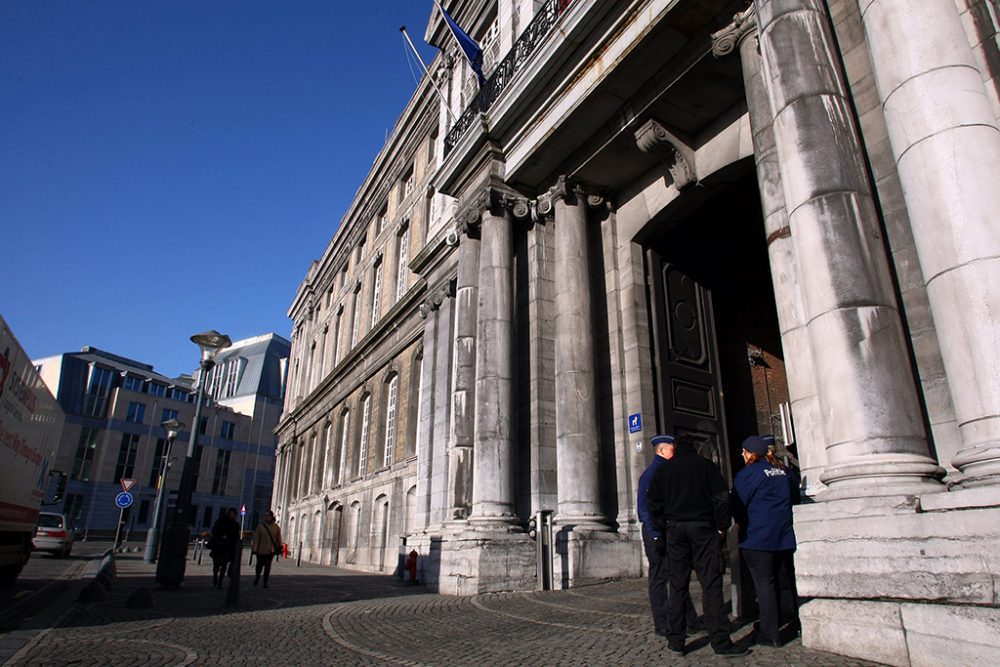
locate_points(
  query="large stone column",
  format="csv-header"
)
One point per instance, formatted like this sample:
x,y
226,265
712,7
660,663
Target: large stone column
x,y
802,392
577,435
946,144
493,476
871,417
463,428
443,302
425,449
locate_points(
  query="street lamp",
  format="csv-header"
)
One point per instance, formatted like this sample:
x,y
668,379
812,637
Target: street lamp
x,y
173,559
173,428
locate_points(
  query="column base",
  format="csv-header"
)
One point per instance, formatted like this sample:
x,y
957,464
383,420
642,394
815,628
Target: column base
x,y
881,475
589,556
979,466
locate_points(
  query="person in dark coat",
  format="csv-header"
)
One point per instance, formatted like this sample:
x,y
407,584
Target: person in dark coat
x,y
690,500
653,543
764,492
225,536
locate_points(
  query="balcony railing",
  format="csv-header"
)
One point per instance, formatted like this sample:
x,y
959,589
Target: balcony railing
x,y
512,63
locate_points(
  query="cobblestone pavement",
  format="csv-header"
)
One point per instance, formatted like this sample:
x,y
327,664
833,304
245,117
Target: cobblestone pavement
x,y
314,615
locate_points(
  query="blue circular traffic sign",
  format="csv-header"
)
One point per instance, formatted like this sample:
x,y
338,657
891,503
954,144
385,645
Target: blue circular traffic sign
x,y
123,499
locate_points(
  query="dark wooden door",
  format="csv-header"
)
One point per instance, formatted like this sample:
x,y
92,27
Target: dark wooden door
x,y
688,383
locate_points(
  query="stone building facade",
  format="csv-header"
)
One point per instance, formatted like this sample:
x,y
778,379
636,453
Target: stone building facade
x,y
718,217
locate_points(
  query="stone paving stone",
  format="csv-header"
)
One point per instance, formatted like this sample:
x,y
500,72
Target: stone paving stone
x,y
315,615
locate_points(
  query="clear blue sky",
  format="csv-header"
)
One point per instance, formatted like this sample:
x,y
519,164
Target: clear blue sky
x,y
168,167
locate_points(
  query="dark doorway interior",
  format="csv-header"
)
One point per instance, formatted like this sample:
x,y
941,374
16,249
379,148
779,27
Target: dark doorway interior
x,y
717,349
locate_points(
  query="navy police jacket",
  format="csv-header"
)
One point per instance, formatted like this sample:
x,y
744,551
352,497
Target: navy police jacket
x,y
763,498
642,502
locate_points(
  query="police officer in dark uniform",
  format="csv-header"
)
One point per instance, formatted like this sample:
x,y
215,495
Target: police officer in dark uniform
x,y
764,492
689,499
653,542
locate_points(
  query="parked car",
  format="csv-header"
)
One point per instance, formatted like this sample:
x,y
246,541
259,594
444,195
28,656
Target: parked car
x,y
54,534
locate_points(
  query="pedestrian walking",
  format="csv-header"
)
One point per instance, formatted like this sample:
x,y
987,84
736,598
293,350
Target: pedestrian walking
x,y
266,544
653,543
690,500
764,492
225,535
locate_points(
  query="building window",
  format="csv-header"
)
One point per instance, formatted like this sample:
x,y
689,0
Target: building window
x,y
132,383
136,412
337,330
178,394
345,428
96,399
322,474
196,467
402,266
390,420
168,414
232,377
126,456
376,294
203,426
228,430
432,149
355,318
221,476
157,389
409,183
74,506
366,413
382,221
85,449
154,470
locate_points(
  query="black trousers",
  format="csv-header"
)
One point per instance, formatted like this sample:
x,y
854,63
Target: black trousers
x,y
656,554
264,563
773,575
696,545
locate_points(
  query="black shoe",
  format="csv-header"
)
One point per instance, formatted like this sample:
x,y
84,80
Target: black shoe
x,y
256,581
265,584
676,648
730,651
770,643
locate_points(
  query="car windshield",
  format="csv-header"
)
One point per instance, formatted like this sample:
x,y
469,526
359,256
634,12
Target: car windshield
x,y
50,521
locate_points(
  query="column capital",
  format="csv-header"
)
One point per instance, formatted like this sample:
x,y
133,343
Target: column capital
x,y
436,297
572,191
727,40
655,139
494,200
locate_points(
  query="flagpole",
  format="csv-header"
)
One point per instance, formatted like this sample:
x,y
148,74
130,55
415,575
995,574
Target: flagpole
x,y
433,82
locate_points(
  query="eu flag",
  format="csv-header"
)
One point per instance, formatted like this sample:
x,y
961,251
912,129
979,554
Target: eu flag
x,y
472,51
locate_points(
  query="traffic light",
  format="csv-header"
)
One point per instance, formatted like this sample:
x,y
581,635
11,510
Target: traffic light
x,y
60,485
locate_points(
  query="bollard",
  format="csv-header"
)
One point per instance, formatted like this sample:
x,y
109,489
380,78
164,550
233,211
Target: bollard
x,y
298,559
199,549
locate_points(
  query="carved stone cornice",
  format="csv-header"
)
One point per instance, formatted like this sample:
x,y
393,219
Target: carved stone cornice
x,y
727,40
655,139
436,297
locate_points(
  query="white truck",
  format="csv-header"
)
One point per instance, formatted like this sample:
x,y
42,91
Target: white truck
x,y
31,424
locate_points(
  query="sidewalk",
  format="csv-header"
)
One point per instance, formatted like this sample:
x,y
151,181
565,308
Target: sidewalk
x,y
314,615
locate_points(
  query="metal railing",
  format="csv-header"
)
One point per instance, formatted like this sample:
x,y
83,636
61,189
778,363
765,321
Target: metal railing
x,y
526,45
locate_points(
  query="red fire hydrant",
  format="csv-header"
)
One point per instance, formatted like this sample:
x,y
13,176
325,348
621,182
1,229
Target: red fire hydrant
x,y
411,566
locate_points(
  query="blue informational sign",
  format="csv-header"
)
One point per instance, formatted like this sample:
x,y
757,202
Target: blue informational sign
x,y
634,423
123,500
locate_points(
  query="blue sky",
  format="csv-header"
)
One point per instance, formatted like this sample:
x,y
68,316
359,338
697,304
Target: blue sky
x,y
172,167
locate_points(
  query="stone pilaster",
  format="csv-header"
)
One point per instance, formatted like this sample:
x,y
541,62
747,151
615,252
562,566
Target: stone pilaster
x,y
803,395
577,434
443,305
463,429
493,477
426,444
948,160
873,430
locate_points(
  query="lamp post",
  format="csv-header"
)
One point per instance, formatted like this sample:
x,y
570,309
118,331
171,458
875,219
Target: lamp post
x,y
173,556
173,427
